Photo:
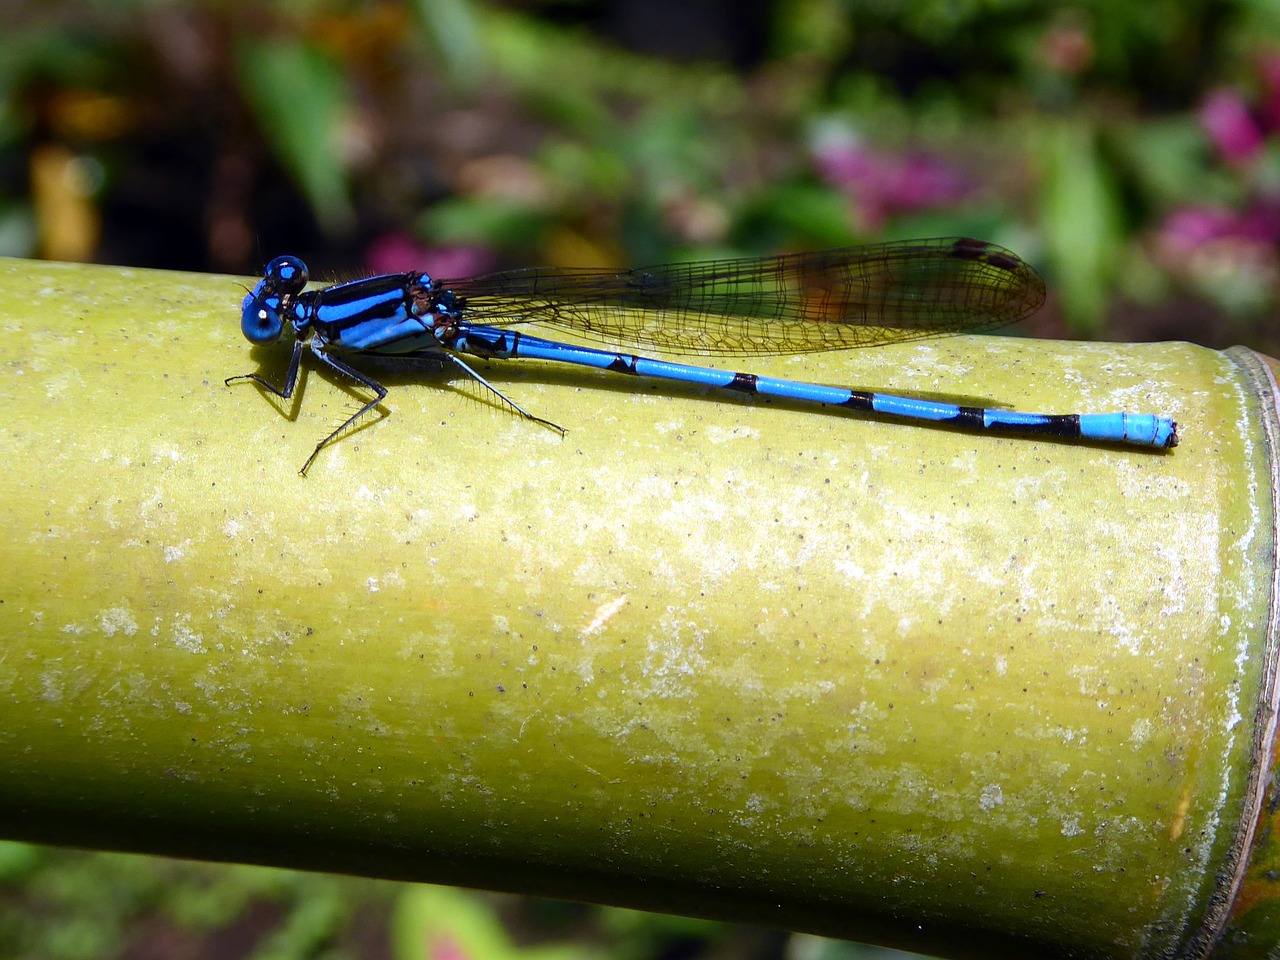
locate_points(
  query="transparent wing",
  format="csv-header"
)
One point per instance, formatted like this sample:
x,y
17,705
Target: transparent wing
x,y
796,303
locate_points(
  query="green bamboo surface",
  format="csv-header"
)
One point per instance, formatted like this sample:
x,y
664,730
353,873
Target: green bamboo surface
x,y
965,694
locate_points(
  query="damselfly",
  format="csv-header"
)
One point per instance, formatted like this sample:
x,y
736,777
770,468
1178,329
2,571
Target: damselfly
x,y
798,303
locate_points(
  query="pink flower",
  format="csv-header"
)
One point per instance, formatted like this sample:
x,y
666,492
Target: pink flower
x,y
1067,48
882,184
443,946
1227,121
1191,227
401,253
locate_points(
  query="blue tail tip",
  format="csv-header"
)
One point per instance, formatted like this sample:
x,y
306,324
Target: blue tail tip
x,y
1165,434
1143,430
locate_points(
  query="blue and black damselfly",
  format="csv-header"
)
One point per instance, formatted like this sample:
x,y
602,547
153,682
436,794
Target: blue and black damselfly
x,y
799,303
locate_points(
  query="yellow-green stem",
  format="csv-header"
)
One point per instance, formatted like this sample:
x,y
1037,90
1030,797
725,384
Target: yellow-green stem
x,y
963,693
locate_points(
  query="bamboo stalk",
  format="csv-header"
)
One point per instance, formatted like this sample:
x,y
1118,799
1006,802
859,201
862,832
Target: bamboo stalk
x,y
971,695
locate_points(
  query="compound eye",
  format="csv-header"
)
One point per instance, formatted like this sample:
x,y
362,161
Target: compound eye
x,y
447,303
260,319
286,275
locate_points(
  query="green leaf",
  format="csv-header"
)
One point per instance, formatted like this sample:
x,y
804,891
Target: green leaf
x,y
432,922
17,860
450,27
1082,224
1171,160
817,214
491,222
301,99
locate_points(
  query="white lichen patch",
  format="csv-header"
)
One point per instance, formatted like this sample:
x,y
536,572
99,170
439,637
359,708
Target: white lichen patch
x,y
716,434
1141,731
117,620
991,797
185,638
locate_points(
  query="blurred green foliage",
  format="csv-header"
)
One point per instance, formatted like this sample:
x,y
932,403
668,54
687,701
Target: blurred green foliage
x,y
69,905
300,97
73,905
595,131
